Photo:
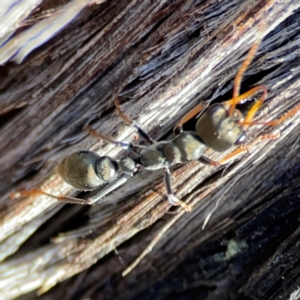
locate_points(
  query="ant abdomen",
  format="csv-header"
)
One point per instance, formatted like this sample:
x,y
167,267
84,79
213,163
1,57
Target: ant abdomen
x,y
219,130
86,170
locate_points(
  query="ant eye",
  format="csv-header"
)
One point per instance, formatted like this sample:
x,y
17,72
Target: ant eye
x,y
241,139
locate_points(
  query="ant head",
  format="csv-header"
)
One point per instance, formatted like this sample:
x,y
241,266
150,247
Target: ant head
x,y
219,130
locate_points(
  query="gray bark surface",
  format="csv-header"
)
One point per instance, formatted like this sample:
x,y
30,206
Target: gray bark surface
x,y
162,58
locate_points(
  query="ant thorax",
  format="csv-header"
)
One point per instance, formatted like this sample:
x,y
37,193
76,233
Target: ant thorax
x,y
186,146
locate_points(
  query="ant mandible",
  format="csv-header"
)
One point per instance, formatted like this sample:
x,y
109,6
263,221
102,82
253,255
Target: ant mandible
x,y
220,127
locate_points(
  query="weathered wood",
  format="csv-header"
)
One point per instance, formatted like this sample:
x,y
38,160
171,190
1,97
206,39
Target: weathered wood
x,y
162,58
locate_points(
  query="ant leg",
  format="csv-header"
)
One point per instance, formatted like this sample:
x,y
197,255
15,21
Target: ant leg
x,y
192,113
284,117
247,95
243,148
207,161
275,122
243,68
35,192
143,134
252,111
174,201
125,145
66,199
171,197
109,188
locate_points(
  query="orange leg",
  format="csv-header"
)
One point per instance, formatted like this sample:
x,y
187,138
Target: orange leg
x,y
192,113
252,111
243,148
35,192
249,94
256,106
89,201
277,121
100,136
126,118
240,73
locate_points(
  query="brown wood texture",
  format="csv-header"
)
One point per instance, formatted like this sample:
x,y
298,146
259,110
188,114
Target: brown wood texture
x,y
162,58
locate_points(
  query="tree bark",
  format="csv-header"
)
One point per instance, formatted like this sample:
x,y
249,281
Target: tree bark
x,y
162,58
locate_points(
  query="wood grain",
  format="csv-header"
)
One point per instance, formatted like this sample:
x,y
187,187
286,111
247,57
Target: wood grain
x,y
162,58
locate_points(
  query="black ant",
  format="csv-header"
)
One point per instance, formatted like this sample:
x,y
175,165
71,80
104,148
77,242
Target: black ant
x,y
220,127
